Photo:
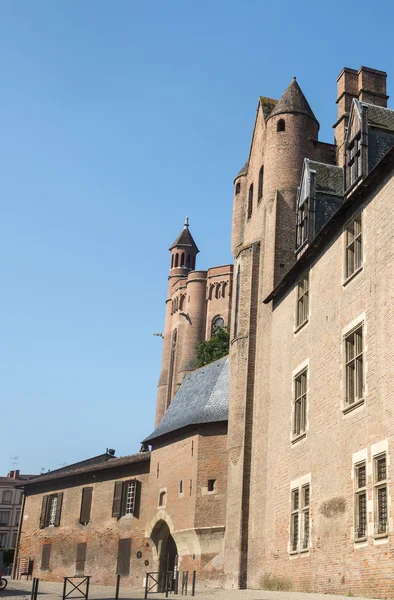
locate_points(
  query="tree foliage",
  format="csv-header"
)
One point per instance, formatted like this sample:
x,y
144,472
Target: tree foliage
x,y
215,348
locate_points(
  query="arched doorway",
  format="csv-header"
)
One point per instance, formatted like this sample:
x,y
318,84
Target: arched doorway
x,y
167,551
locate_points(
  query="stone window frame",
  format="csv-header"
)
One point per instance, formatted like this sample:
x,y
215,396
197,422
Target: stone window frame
x,y
349,331
381,529
302,512
8,513
349,274
360,480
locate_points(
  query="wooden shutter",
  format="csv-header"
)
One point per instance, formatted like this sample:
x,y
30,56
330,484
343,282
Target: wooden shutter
x,y
137,498
124,555
81,558
58,509
117,503
46,553
86,505
44,512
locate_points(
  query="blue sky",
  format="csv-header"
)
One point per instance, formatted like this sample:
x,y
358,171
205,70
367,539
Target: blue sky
x,y
117,120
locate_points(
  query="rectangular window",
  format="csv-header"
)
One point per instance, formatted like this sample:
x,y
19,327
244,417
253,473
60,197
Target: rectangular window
x,y
360,501
299,526
14,539
354,249
295,504
124,555
46,554
211,485
354,366
17,517
51,510
7,497
81,559
3,539
86,505
125,496
380,495
300,397
4,518
353,159
303,300
302,223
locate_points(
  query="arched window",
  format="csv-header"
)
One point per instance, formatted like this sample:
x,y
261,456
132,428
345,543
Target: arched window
x,y
217,323
181,302
217,291
261,179
237,294
172,261
211,288
280,126
172,367
250,201
224,289
176,259
162,499
182,259
188,261
238,188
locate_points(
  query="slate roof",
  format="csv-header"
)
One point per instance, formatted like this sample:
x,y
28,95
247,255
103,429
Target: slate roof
x,y
378,116
293,101
329,178
109,464
203,397
185,238
12,482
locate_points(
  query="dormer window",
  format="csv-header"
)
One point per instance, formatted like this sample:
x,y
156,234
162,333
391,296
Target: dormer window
x,y
305,206
355,145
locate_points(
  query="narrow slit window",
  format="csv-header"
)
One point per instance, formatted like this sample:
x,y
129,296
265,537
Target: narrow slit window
x,y
250,201
380,495
300,400
303,300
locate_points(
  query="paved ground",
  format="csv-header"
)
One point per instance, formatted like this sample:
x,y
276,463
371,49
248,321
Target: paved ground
x,y
20,590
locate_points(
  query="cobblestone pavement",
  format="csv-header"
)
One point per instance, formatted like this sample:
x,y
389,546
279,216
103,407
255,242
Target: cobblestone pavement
x,y
20,590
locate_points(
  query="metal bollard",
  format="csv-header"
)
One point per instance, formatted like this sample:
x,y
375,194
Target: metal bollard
x,y
117,586
194,583
146,585
34,589
176,582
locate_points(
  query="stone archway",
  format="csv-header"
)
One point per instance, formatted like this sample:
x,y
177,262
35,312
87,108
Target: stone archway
x,y
167,552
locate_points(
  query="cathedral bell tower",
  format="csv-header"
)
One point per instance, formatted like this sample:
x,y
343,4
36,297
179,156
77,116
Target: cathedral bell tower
x,y
180,321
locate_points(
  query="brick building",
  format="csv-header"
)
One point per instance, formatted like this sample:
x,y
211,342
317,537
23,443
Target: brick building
x,y
272,466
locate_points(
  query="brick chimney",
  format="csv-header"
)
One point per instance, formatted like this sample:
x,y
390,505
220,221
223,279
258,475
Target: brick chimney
x,y
13,474
368,85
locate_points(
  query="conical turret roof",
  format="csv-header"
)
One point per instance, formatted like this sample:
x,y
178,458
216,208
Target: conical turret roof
x,y
293,101
185,238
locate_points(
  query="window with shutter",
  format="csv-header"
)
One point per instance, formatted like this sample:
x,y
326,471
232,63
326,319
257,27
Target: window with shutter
x,y
117,501
81,559
44,512
46,553
86,505
124,555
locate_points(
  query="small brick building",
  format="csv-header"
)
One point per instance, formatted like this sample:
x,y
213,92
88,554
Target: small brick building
x,y
271,467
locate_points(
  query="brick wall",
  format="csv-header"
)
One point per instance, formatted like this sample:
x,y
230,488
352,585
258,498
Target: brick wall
x,y
101,534
334,561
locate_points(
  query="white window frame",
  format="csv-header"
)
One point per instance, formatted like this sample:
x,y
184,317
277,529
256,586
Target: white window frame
x,y
300,517
302,299
360,491
130,494
52,510
355,399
